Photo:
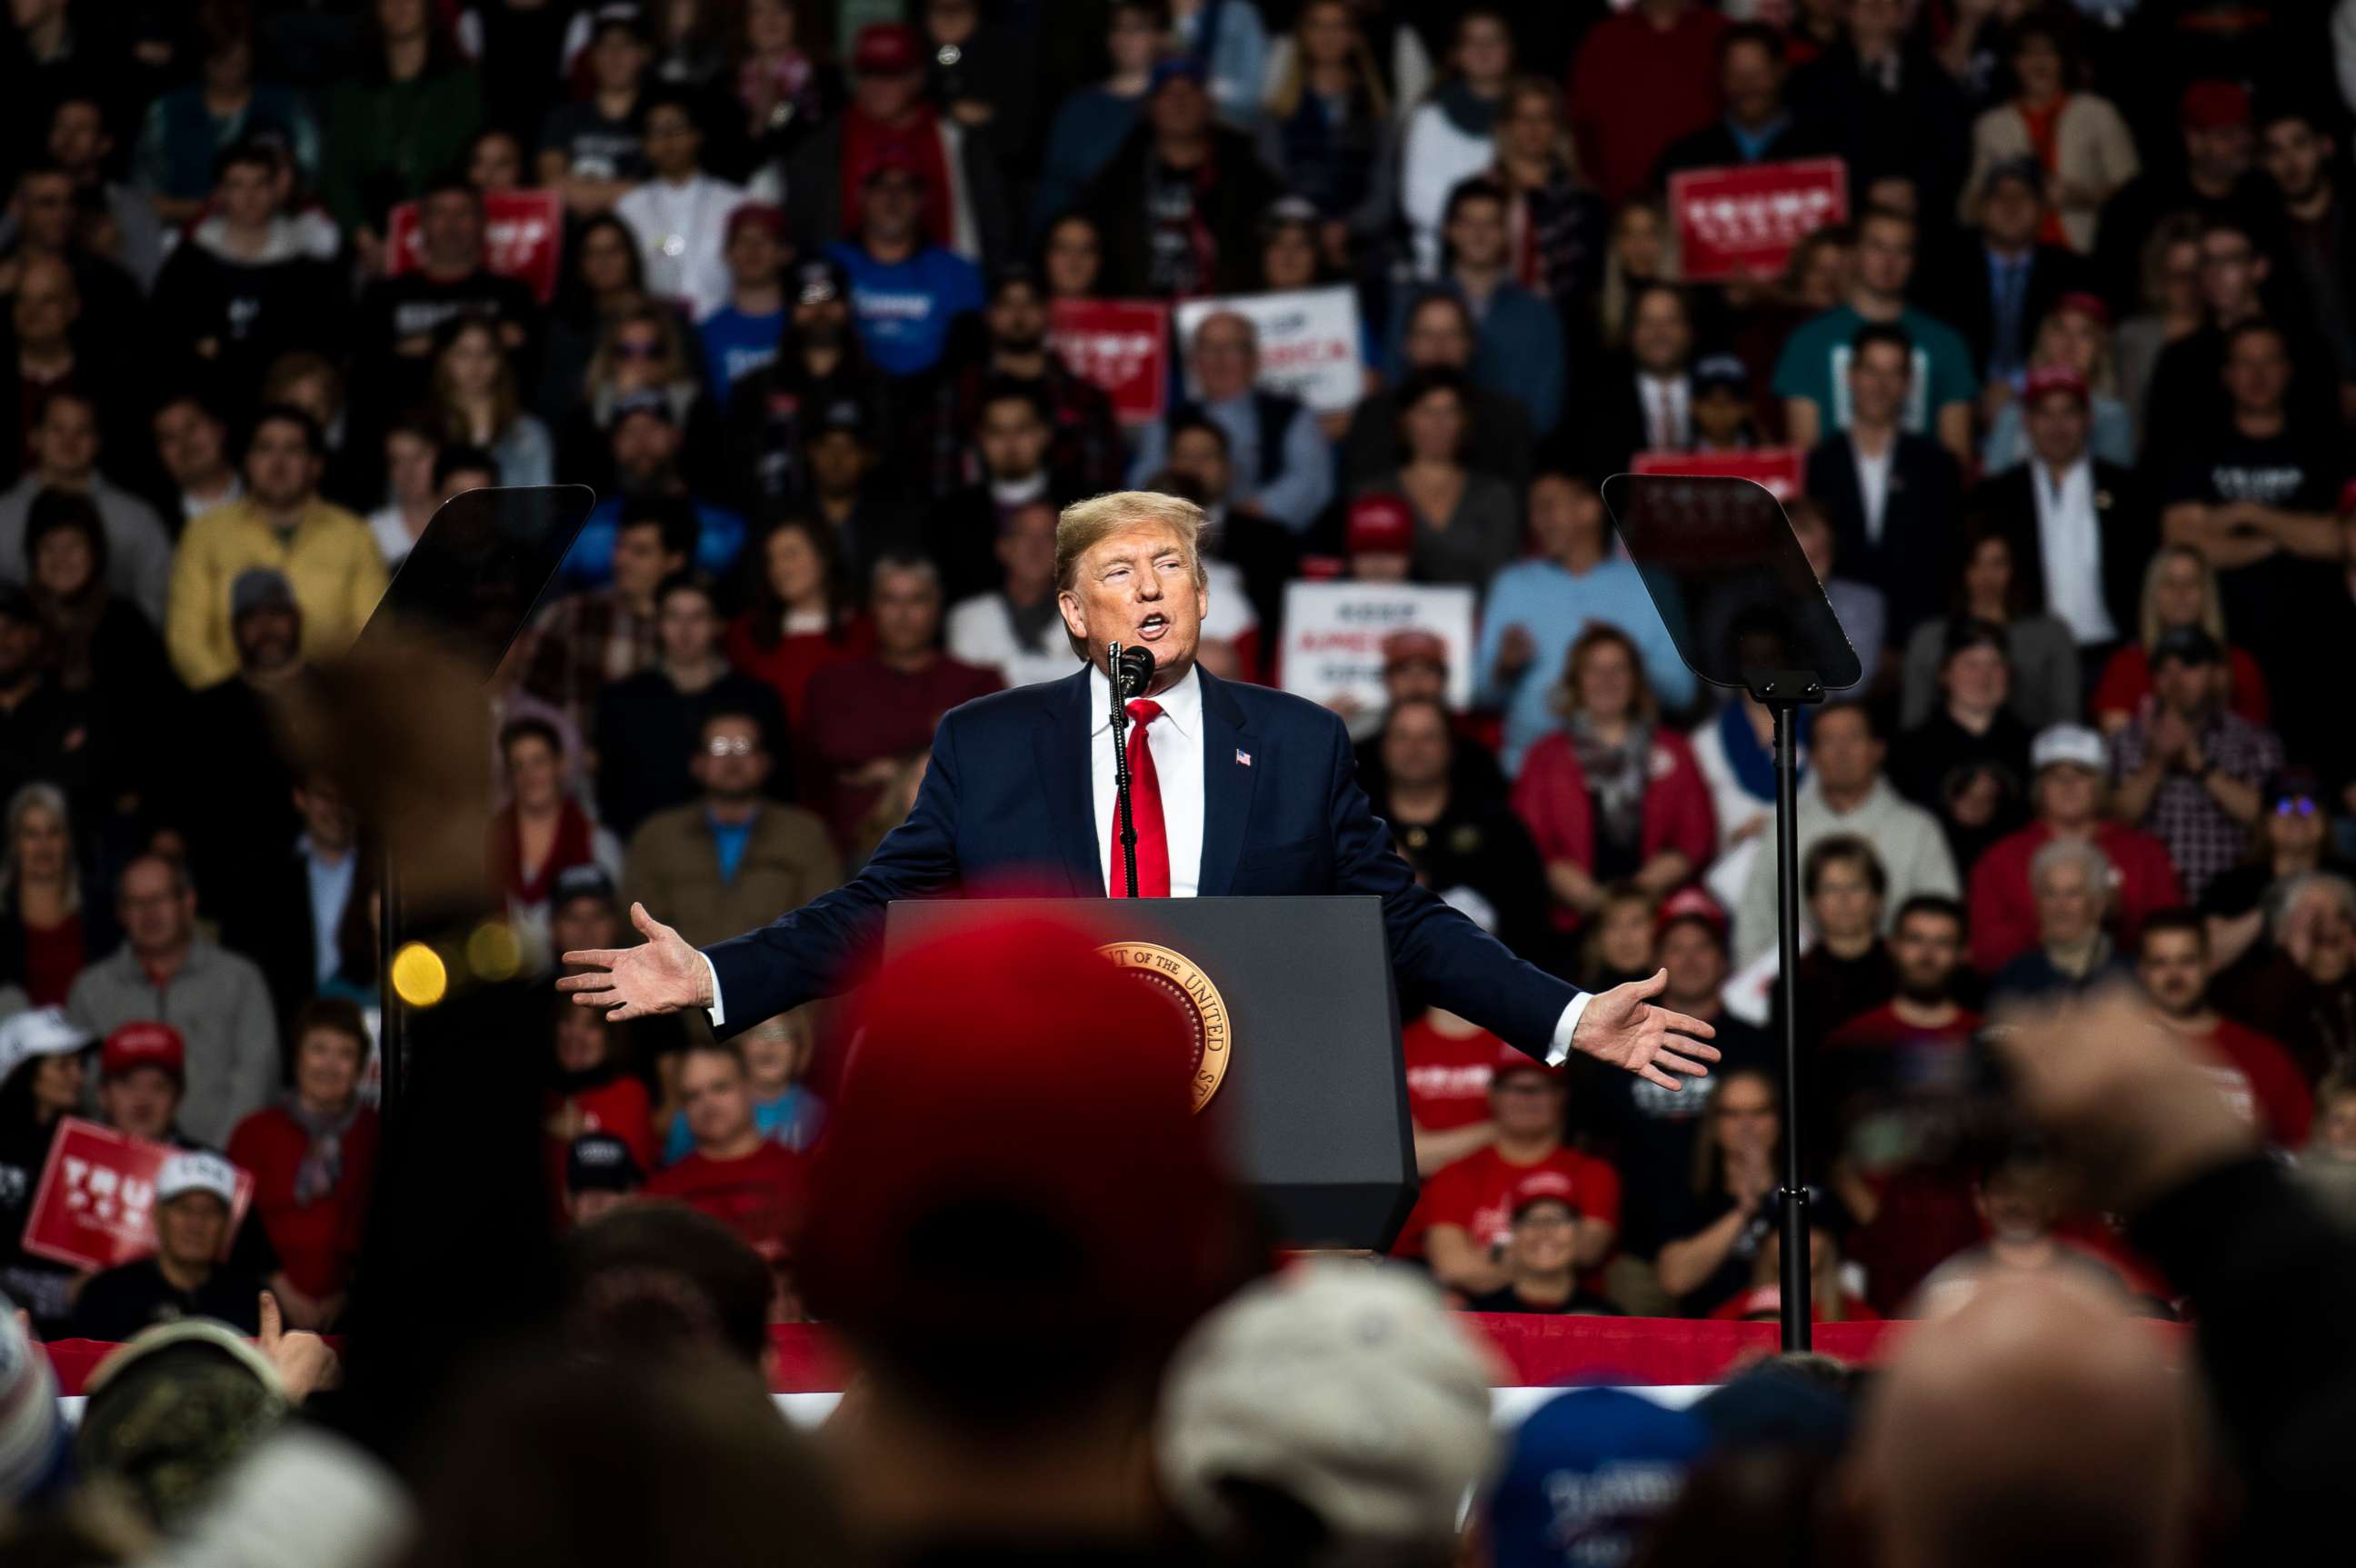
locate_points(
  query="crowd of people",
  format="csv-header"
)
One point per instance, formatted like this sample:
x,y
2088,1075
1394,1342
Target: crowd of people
x,y
2065,397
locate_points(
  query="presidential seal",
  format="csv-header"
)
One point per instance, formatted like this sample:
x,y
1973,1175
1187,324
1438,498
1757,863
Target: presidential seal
x,y
1178,977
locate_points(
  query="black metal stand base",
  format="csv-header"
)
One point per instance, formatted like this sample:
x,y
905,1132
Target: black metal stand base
x,y
1784,692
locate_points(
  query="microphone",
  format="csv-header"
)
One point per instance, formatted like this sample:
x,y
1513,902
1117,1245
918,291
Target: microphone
x,y
1134,671
1128,670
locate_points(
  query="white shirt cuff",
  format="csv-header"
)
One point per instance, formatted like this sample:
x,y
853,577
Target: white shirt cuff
x,y
1564,1028
720,1012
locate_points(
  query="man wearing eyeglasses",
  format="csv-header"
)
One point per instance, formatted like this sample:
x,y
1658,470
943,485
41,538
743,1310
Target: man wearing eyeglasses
x,y
649,724
732,858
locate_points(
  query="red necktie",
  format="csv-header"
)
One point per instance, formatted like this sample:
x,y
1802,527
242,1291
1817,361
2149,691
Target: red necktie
x,y
1145,801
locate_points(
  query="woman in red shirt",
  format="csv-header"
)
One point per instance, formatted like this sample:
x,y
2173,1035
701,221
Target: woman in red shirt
x,y
313,1157
45,931
2179,589
1614,795
799,621
589,1092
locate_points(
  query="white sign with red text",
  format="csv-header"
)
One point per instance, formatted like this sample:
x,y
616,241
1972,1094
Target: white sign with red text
x,y
1310,343
1334,637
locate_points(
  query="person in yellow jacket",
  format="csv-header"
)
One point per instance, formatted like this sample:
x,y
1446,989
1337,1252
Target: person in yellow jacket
x,y
325,551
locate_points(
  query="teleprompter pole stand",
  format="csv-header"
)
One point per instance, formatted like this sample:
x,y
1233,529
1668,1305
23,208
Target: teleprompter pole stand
x,y
1120,765
1784,693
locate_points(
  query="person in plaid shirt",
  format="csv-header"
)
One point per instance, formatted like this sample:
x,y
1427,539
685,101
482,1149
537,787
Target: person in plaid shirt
x,y
2189,770
1087,444
585,641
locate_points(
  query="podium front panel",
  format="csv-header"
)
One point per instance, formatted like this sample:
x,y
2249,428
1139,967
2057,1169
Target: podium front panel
x,y
1312,1100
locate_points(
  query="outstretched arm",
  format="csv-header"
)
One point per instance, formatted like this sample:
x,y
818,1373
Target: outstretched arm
x,y
1455,963
815,951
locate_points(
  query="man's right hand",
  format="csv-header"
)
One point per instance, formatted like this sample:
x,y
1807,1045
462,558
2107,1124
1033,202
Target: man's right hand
x,y
664,975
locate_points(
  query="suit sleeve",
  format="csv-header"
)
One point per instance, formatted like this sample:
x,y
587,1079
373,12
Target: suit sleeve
x,y
821,947
1435,951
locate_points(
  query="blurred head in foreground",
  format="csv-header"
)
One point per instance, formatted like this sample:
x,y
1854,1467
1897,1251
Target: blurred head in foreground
x,y
684,1463
168,1413
1337,1413
2036,1426
1016,1217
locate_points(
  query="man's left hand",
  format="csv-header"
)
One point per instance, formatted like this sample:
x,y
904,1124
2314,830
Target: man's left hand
x,y
1622,1026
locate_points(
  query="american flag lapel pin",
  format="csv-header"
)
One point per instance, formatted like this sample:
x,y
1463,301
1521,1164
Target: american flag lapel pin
x,y
1243,757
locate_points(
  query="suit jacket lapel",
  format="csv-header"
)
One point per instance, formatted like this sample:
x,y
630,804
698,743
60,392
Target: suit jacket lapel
x,y
1227,784
1061,743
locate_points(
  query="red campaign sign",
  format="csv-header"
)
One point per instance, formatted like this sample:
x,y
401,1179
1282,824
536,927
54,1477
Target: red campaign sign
x,y
1743,221
523,237
1122,346
1780,468
91,1208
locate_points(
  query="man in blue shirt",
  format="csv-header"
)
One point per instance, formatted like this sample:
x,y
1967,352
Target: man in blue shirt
x,y
1282,469
905,290
1536,608
741,336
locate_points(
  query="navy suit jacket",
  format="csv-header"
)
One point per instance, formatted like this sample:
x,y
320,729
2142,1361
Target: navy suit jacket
x,y
1007,806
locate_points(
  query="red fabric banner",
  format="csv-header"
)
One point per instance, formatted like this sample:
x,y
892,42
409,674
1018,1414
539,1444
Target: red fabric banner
x,y
1541,1351
523,237
1121,345
1781,469
1743,221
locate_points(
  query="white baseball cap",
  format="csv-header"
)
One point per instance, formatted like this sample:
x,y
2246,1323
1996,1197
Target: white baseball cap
x,y
1349,1387
2072,743
43,1032
195,1171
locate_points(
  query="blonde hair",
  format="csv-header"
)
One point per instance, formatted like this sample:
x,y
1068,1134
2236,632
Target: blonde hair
x,y
1084,525
37,796
2212,612
1285,101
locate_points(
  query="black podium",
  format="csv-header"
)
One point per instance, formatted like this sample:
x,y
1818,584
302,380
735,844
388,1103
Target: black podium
x,y
1311,1097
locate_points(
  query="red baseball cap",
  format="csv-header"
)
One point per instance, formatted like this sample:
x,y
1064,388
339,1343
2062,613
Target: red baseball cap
x,y
2080,303
1690,904
1413,645
1380,524
1012,1070
885,48
1544,1186
143,1043
760,215
2044,379
1509,1061
2206,105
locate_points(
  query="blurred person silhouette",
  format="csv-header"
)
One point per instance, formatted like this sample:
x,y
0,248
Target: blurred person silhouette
x,y
1590,1472
680,1464
2097,1462
1335,1414
1011,1240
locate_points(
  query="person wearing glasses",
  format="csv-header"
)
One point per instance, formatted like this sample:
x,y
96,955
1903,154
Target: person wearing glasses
x,y
649,723
732,856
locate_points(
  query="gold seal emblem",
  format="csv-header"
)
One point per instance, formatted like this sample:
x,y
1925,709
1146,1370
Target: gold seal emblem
x,y
1182,979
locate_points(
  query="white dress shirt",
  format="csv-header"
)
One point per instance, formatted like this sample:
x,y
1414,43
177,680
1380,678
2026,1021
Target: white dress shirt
x,y
1175,739
1669,420
1873,486
2069,541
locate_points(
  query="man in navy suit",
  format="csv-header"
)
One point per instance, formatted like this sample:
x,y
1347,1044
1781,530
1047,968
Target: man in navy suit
x,y
1238,791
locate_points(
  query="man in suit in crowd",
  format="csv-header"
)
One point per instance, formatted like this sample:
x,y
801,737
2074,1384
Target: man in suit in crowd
x,y
2082,530
1994,293
1240,790
1891,494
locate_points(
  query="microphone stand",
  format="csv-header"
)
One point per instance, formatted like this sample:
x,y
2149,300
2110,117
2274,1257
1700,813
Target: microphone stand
x,y
1120,766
